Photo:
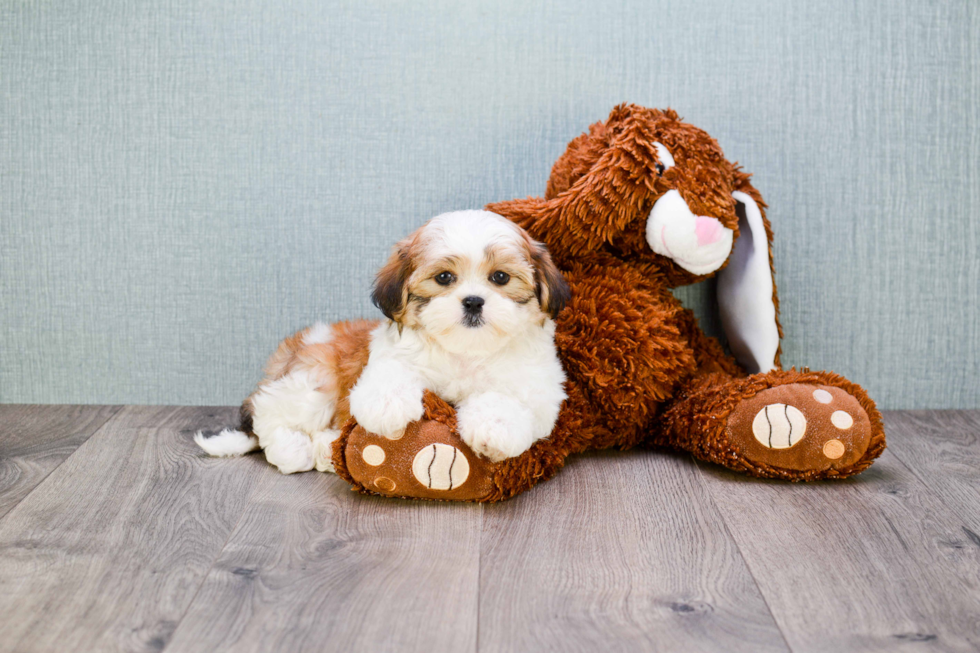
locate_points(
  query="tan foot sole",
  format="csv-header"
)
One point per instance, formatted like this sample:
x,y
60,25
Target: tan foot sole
x,y
428,462
800,427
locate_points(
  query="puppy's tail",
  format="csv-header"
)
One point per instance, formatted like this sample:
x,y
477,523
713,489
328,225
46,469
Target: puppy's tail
x,y
231,442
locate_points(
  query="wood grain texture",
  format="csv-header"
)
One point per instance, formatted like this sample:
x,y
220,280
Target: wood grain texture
x,y
34,440
313,566
139,542
874,563
942,449
106,554
621,551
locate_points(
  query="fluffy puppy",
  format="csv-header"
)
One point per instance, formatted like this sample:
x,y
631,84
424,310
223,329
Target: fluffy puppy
x,y
470,301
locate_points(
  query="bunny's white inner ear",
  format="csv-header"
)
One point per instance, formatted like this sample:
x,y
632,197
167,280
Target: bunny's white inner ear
x,y
745,287
666,158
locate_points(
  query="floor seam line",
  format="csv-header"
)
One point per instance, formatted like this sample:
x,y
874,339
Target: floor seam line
x,y
91,435
479,579
748,567
928,487
214,561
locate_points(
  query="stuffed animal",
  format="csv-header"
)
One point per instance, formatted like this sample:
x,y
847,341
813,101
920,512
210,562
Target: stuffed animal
x,y
639,205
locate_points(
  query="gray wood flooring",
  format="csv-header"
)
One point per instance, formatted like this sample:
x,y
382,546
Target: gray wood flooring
x,y
118,534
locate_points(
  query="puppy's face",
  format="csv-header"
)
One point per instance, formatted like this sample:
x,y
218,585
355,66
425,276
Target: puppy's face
x,y
470,281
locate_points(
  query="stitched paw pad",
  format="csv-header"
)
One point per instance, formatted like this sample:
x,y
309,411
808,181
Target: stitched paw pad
x,y
800,427
429,462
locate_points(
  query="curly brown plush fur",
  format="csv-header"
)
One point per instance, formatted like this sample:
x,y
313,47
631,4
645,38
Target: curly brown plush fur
x,y
639,368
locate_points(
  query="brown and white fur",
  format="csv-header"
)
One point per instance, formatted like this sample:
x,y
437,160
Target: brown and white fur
x,y
470,301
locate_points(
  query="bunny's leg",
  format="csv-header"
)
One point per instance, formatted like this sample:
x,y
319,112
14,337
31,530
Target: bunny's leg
x,y
788,424
431,461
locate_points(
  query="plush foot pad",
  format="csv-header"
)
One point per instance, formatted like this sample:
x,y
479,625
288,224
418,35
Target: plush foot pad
x,y
428,462
801,427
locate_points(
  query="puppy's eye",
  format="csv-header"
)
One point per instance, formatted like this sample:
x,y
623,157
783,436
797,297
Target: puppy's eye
x,y
445,278
500,278
660,168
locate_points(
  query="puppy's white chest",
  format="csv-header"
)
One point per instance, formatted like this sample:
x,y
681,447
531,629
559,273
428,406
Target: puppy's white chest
x,y
461,378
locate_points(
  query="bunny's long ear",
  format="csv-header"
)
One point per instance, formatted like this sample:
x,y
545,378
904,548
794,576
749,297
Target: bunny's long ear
x,y
747,300
595,188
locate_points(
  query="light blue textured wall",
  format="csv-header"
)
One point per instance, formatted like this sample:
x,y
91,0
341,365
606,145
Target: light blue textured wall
x,y
185,182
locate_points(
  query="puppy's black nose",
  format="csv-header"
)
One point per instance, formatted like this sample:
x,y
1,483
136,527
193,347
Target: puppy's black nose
x,y
473,304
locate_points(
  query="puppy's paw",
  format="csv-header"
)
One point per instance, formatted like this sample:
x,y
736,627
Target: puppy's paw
x,y
385,406
290,451
495,426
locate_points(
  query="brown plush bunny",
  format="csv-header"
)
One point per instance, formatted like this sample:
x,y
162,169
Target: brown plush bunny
x,y
641,204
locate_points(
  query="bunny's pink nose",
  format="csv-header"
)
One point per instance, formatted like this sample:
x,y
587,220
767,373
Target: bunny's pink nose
x,y
708,230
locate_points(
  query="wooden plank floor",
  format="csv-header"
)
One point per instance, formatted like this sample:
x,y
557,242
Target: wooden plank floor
x,y
118,534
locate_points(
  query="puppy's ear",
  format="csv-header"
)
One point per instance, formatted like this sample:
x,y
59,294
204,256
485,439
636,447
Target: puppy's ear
x,y
389,292
549,285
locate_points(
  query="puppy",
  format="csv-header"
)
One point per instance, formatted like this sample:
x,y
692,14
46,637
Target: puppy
x,y
470,301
